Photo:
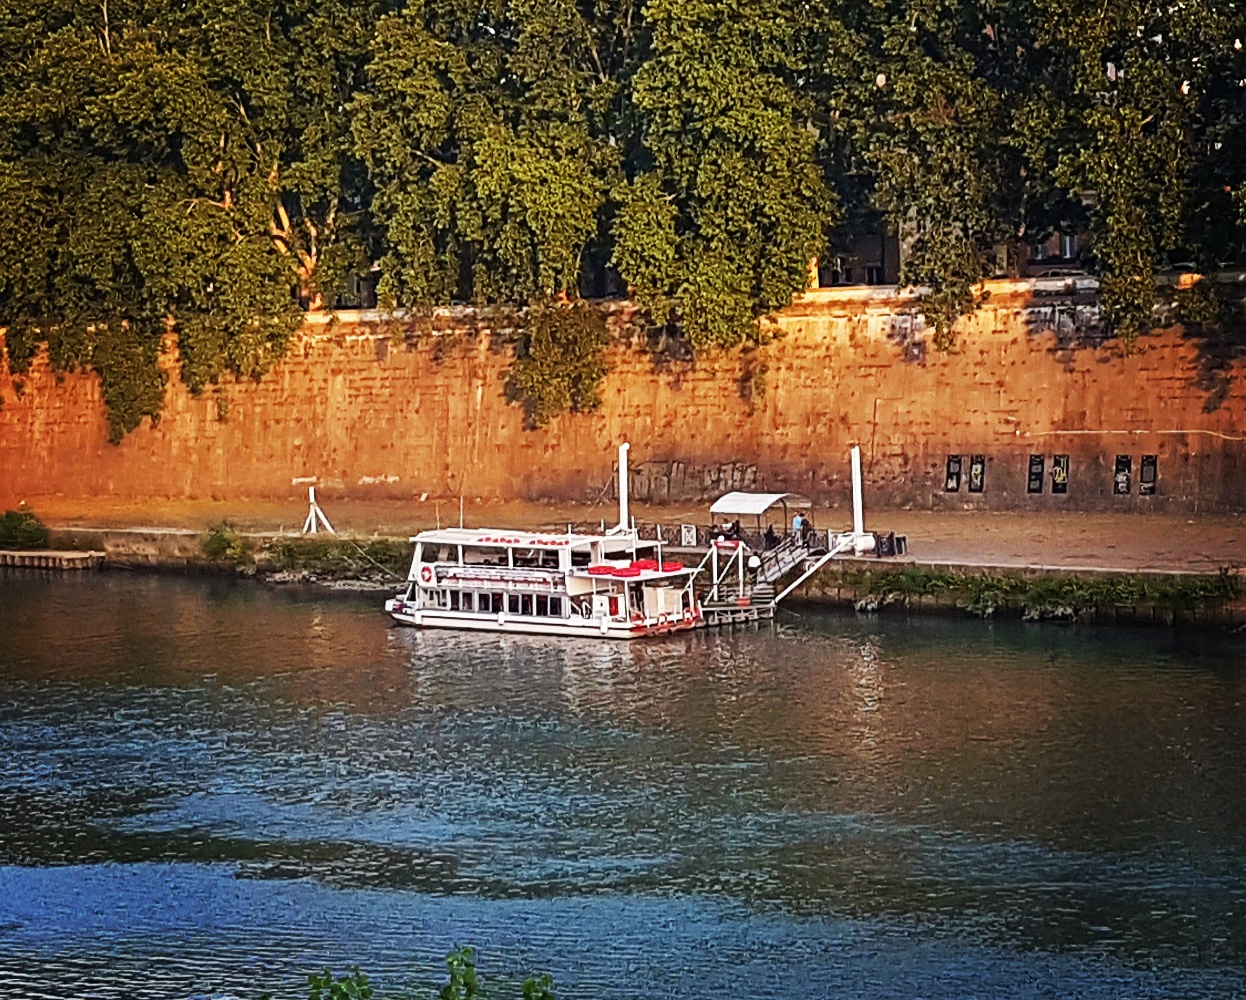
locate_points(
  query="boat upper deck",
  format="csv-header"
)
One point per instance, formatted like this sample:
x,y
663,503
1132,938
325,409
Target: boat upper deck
x,y
501,538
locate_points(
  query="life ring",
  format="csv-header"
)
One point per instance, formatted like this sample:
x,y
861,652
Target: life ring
x,y
426,574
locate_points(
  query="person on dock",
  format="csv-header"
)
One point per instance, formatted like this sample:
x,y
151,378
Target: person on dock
x,y
771,538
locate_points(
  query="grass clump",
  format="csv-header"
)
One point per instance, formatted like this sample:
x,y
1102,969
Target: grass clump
x,y
20,529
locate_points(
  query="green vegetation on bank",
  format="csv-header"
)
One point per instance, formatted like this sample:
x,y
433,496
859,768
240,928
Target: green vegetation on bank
x,y
1034,597
209,169
21,529
328,557
339,557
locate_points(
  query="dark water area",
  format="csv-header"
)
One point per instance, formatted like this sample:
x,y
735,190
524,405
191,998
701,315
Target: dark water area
x,y
210,789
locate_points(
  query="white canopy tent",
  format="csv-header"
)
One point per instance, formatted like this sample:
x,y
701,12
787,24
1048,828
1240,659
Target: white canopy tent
x,y
756,504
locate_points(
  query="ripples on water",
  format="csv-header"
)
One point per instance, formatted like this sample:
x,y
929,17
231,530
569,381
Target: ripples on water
x,y
210,789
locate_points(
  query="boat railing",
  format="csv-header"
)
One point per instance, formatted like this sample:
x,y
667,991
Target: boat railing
x,y
673,535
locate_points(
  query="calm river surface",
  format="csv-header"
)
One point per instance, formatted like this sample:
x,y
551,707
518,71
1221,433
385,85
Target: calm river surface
x,y
210,789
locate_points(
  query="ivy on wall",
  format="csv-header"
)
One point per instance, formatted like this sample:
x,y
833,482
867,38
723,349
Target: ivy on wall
x,y
560,361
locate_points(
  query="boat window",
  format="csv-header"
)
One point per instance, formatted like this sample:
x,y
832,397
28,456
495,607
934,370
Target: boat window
x,y
513,604
473,556
433,599
537,558
555,607
455,600
441,553
580,557
498,602
525,604
484,603
542,605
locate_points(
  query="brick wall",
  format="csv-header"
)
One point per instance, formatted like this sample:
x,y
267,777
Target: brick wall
x,y
369,411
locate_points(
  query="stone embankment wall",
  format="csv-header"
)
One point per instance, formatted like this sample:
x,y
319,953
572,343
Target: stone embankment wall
x,y
397,410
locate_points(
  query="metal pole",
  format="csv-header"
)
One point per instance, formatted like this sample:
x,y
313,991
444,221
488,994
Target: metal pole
x,y
858,507
714,569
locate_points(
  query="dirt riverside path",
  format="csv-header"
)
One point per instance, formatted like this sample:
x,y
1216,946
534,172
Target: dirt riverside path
x,y
1124,542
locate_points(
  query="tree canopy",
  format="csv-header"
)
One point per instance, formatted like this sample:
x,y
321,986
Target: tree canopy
x,y
212,167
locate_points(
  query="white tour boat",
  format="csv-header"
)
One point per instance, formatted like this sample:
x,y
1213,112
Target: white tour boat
x,y
612,584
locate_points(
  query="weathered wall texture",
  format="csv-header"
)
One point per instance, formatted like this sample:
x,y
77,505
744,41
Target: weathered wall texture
x,y
371,411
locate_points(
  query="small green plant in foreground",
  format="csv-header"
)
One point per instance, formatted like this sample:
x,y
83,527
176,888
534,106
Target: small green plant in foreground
x,y
20,529
462,983
352,987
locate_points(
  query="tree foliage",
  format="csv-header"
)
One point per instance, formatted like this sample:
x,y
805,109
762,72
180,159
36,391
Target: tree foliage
x,y
730,204
486,130
211,167
1124,81
925,109
173,167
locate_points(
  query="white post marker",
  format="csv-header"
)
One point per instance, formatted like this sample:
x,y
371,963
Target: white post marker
x,y
315,516
861,542
858,508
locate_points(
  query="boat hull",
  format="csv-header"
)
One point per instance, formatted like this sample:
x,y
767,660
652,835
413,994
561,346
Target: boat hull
x,y
583,628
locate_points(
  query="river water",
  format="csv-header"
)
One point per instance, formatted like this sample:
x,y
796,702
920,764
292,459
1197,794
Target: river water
x,y
210,789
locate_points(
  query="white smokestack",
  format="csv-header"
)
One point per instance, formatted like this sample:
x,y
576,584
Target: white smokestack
x,y
624,522
858,505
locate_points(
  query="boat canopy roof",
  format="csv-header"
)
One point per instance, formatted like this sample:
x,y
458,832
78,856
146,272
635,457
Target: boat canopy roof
x,y
757,503
502,538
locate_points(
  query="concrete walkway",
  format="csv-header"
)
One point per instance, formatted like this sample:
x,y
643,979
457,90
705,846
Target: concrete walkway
x,y
1124,542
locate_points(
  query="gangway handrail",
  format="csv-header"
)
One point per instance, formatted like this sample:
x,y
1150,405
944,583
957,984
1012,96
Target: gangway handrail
x,y
844,545
777,561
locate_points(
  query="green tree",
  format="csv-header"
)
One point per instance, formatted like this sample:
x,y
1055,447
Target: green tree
x,y
485,128
172,167
1216,209
921,90
1111,115
726,203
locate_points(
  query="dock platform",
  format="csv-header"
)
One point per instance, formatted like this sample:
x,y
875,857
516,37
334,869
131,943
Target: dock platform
x,y
52,559
721,614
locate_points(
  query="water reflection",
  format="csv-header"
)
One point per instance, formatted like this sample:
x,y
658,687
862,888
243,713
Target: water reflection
x,y
1053,806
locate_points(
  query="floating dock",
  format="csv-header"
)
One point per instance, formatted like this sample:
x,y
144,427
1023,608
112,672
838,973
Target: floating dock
x,y
52,559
